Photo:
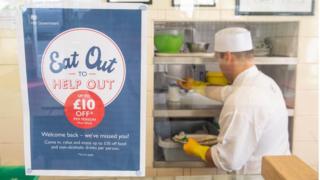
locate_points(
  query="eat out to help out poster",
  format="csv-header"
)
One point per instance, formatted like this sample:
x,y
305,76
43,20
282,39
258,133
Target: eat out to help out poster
x,y
83,85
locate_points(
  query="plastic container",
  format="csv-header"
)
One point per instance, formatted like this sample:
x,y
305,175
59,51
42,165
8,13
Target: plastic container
x,y
173,151
216,78
165,130
168,41
15,172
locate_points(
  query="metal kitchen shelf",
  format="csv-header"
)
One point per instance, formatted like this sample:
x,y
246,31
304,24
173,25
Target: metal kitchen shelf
x,y
206,59
180,164
187,113
213,111
276,60
184,60
164,110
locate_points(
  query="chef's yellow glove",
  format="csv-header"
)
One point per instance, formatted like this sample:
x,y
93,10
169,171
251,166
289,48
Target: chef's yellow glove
x,y
191,84
187,84
192,147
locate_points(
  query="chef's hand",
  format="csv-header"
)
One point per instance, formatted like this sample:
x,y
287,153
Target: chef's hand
x,y
192,147
191,84
187,84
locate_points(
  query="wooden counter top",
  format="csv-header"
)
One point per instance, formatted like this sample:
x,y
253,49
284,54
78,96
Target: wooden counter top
x,y
286,168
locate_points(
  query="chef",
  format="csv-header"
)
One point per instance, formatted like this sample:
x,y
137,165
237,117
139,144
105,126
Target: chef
x,y
254,120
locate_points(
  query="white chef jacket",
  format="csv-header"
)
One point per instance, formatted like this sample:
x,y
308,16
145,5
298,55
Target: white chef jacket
x,y
253,123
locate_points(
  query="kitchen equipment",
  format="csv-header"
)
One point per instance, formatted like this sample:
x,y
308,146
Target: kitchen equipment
x,y
173,94
173,151
262,52
165,130
200,88
199,72
180,70
190,34
216,78
262,48
197,46
174,77
195,99
168,41
203,139
160,81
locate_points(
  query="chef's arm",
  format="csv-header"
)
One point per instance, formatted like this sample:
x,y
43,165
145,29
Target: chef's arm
x,y
217,93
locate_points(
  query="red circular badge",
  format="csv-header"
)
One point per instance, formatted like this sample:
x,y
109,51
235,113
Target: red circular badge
x,y
84,109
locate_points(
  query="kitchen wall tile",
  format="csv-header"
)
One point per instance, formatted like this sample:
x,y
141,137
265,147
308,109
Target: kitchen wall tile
x,y
142,178
186,172
198,177
11,130
11,154
8,51
173,15
306,103
227,4
309,27
307,76
308,51
203,171
150,24
164,178
207,15
10,98
203,15
307,151
273,18
220,171
169,171
9,78
6,33
228,15
157,15
305,128
150,81
161,4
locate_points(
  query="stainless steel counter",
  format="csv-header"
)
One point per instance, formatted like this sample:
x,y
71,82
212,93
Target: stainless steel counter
x,y
178,110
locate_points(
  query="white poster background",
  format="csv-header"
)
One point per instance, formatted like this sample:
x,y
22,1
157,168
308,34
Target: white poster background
x,y
24,89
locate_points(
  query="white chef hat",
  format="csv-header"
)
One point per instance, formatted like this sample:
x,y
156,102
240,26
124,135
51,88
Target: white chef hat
x,y
233,39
